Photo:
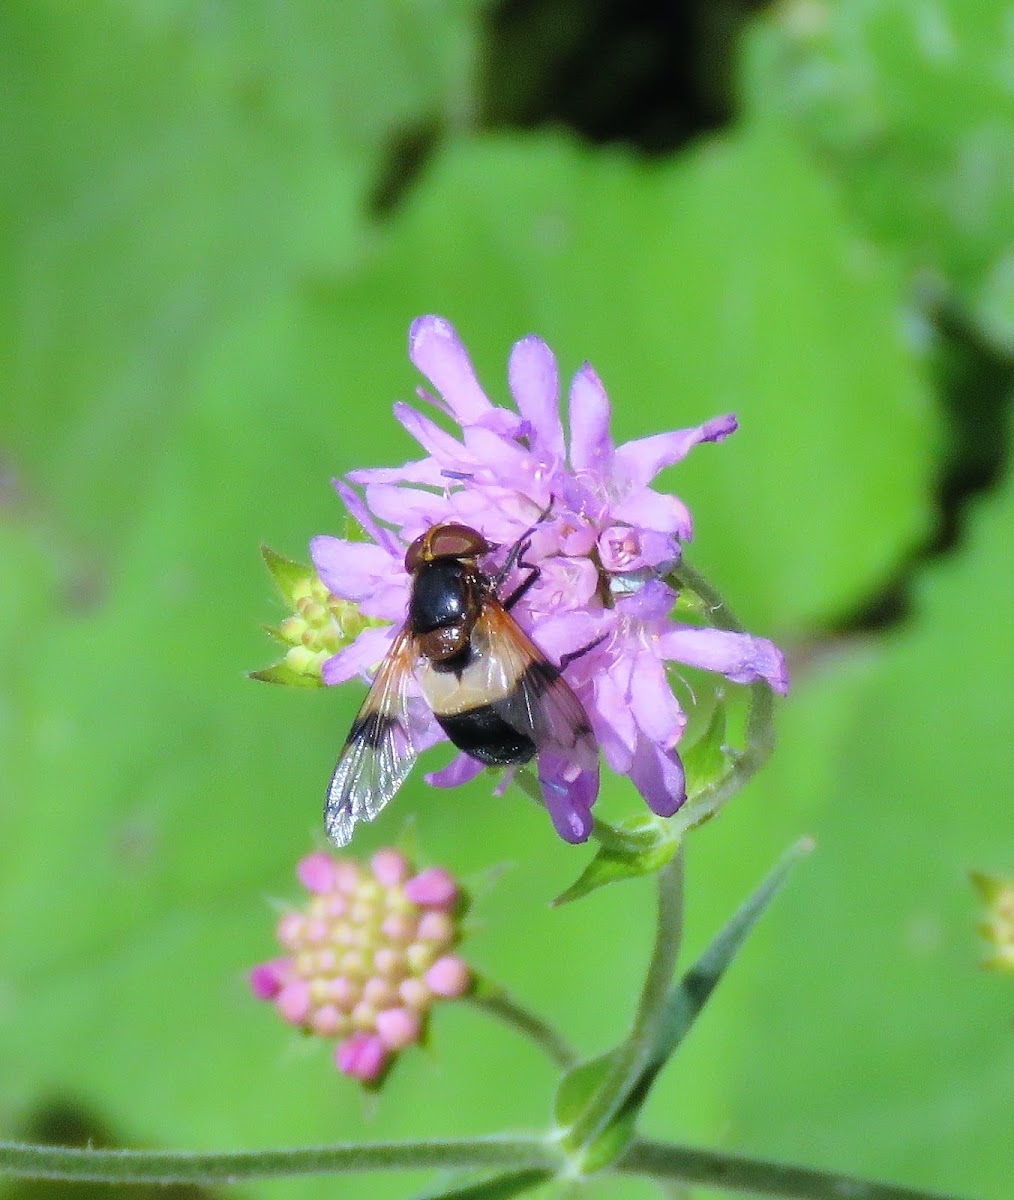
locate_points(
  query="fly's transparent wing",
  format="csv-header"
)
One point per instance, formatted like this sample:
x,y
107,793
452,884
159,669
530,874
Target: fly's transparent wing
x,y
380,750
534,698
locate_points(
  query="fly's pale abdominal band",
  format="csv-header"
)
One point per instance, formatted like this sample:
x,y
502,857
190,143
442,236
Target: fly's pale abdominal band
x,y
492,691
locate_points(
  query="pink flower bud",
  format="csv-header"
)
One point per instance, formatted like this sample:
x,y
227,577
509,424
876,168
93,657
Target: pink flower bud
x,y
343,992
336,906
420,956
346,876
364,1016
316,872
328,1021
267,979
435,927
449,977
378,993
362,1057
388,962
398,1027
390,867
399,928
415,994
315,931
293,1001
290,929
432,888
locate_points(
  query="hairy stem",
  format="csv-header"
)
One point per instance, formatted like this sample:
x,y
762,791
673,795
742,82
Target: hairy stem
x,y
500,1004
141,1166
636,1052
708,1168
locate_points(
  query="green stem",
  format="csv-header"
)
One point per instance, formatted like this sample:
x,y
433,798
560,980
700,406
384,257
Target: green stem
x,y
142,1166
635,1054
500,1004
707,1168
759,736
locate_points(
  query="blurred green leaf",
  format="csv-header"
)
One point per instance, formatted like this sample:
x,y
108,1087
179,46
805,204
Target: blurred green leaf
x,y
497,1187
861,998
909,106
723,280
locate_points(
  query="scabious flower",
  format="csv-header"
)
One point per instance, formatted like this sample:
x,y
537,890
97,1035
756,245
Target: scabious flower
x,y
605,544
366,957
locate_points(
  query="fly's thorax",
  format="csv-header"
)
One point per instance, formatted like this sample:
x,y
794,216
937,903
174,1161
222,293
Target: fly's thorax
x,y
445,603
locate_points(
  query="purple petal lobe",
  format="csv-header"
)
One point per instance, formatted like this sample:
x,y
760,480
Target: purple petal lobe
x,y
655,708
424,470
535,387
738,656
569,792
591,447
352,570
448,452
360,657
434,347
641,460
659,776
652,510
353,502
460,770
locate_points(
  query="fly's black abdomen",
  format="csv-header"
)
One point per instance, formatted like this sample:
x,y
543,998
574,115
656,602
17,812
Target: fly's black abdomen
x,y
440,597
485,735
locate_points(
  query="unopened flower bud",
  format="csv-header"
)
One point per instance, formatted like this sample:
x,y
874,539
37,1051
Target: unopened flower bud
x,y
367,957
362,1057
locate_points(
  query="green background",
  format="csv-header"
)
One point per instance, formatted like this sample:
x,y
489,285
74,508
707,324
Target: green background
x,y
217,223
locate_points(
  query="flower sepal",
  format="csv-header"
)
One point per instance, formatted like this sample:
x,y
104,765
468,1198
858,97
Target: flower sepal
x,y
576,1091
997,928
321,624
638,846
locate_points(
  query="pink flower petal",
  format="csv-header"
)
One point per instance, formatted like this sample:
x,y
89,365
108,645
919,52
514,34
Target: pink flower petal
x,y
398,1027
390,867
268,979
462,769
316,872
641,460
402,505
293,1001
433,888
359,658
358,510
436,350
425,471
352,570
569,794
651,510
447,451
535,387
362,1056
654,706
740,657
591,447
448,977
659,777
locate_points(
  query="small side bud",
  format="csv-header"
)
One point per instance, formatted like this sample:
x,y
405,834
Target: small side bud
x,y
368,955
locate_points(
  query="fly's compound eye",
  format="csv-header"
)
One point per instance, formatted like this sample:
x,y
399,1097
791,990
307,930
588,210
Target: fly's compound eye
x,y
457,541
445,541
414,555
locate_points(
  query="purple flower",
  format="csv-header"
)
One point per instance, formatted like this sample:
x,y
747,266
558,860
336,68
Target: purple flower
x,y
605,544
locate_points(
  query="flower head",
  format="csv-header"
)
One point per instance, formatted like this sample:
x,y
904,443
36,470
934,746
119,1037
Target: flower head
x,y
366,957
604,543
